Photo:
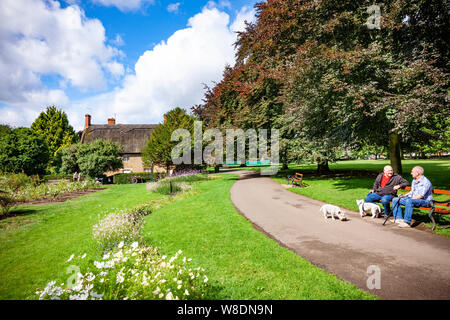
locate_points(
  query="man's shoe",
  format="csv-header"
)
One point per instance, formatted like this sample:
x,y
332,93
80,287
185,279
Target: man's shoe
x,y
404,224
399,221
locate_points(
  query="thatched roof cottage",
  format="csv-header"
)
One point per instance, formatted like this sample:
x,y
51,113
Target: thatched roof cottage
x,y
132,137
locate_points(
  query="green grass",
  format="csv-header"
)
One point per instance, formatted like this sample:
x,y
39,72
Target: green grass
x,y
344,189
35,245
241,262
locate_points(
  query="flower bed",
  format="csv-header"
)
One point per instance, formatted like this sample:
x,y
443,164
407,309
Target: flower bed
x,y
132,272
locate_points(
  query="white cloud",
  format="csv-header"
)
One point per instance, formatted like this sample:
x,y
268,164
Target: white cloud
x,y
172,73
124,5
39,38
245,14
173,7
225,4
118,41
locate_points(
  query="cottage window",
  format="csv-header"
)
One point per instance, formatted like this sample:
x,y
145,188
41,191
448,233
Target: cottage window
x,y
126,158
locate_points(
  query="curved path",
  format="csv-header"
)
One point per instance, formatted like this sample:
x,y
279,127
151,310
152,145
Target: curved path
x,y
412,264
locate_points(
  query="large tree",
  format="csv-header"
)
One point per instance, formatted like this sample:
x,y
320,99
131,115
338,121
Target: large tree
x,y
53,125
158,150
22,150
340,82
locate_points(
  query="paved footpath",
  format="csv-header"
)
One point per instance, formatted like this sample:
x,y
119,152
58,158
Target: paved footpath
x,y
413,264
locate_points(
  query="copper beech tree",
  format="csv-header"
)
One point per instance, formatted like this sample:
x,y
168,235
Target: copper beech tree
x,y
330,78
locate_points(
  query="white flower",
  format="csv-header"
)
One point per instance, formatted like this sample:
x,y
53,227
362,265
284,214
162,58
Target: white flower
x,y
120,246
186,292
169,296
106,256
119,278
90,277
206,279
83,256
157,291
134,245
96,295
71,257
179,287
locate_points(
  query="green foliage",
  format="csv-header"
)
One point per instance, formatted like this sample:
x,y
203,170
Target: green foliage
x,y
117,227
60,176
53,125
10,184
22,150
316,71
4,130
158,150
93,158
126,178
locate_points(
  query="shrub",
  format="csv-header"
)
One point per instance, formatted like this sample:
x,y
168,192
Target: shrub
x,y
126,178
60,176
117,227
10,184
135,273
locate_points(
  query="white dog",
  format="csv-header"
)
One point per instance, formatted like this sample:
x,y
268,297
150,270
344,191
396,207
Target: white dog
x,y
334,211
365,207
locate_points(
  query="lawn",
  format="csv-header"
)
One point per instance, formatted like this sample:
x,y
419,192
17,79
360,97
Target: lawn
x,y
351,180
241,262
35,244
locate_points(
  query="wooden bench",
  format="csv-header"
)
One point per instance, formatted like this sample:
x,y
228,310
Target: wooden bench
x,y
296,180
437,207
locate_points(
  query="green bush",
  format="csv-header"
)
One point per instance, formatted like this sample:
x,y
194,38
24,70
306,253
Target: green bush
x,y
59,176
126,178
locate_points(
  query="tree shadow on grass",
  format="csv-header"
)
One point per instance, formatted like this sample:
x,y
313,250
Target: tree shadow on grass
x,y
18,211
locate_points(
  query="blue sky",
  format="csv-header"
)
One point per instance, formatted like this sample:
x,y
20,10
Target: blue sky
x,y
132,59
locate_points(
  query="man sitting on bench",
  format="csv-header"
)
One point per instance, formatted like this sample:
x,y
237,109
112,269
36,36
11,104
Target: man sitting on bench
x,y
421,195
385,188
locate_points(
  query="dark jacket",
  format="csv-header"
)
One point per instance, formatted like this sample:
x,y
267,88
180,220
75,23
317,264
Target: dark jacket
x,y
389,187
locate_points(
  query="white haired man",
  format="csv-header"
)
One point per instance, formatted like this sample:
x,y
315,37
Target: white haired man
x,y
385,188
421,195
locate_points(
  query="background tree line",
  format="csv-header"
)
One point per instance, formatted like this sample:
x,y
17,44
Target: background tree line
x,y
51,146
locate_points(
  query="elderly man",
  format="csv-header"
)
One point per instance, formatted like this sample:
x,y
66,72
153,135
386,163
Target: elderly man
x,y
385,188
421,195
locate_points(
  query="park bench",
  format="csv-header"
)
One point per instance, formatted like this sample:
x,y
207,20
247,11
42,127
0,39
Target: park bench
x,y
296,180
437,207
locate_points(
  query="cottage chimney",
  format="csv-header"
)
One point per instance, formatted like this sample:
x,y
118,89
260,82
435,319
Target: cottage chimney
x,y
111,121
87,120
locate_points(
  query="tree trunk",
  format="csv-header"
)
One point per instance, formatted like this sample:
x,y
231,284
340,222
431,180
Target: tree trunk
x,y
322,166
394,152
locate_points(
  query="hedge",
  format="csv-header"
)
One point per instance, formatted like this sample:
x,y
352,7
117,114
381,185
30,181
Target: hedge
x,y
60,176
126,178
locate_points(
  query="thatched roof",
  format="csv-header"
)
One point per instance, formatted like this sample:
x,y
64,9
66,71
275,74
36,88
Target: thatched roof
x,y
133,137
